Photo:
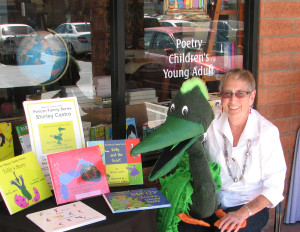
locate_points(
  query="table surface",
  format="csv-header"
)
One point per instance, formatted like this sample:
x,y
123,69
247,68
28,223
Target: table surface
x,y
143,220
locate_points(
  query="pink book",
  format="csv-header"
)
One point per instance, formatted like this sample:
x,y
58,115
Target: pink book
x,y
77,174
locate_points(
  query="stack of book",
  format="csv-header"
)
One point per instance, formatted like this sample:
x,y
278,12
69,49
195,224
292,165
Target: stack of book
x,y
85,94
139,96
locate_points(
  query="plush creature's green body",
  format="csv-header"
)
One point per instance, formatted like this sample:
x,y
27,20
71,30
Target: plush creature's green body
x,y
187,179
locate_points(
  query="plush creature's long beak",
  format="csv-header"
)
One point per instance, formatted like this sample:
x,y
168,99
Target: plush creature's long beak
x,y
175,136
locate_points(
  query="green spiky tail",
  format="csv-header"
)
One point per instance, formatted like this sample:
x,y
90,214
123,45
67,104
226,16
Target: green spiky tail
x,y
178,190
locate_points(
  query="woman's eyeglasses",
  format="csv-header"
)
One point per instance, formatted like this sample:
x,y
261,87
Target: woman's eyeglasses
x,y
238,94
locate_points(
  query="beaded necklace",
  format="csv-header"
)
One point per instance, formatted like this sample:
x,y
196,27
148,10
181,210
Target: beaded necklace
x,y
236,179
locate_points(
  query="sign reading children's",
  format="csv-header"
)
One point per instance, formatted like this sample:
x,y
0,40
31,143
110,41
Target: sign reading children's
x,y
192,63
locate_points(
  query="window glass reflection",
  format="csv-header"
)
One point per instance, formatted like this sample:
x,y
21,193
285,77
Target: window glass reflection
x,y
47,51
186,43
179,40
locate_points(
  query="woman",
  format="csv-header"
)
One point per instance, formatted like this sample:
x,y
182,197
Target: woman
x,y
248,148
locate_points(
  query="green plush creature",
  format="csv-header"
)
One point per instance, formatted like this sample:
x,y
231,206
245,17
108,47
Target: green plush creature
x,y
188,180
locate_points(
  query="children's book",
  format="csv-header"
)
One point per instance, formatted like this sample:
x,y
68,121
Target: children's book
x,y
66,217
98,132
77,174
54,125
22,182
131,131
121,168
6,141
133,200
23,134
108,132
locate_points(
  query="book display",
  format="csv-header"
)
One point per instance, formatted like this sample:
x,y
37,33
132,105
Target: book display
x,y
54,126
22,182
138,199
23,134
121,167
77,174
6,141
66,217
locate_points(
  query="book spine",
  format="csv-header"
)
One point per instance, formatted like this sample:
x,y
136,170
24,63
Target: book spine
x,y
108,132
108,203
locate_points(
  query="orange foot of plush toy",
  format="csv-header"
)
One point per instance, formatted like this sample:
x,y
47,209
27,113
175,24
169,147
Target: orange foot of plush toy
x,y
190,220
220,213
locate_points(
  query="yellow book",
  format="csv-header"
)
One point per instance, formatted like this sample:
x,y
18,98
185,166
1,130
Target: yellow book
x,y
6,141
22,182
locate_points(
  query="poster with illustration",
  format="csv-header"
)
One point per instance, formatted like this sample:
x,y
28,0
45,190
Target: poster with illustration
x,y
54,125
57,136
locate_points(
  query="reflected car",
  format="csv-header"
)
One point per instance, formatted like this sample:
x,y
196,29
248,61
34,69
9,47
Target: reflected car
x,y
229,29
11,36
177,23
150,21
77,36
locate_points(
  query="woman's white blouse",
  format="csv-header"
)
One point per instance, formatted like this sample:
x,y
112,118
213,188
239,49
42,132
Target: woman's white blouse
x,y
266,167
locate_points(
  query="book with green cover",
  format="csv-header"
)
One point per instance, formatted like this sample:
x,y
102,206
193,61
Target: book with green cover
x,y
6,141
98,132
22,182
136,199
23,134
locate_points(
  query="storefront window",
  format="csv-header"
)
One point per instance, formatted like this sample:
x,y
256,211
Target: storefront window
x,y
179,40
53,48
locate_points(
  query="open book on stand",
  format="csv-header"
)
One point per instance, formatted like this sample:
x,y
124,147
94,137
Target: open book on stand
x,y
137,199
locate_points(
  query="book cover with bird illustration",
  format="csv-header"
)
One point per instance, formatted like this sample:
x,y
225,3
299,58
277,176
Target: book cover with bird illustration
x,y
137,199
54,125
22,182
121,168
66,217
6,141
77,174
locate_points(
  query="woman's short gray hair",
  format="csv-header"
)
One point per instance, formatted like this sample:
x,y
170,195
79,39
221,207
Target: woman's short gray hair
x,y
239,74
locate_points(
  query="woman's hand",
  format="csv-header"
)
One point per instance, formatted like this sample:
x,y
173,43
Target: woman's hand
x,y
232,221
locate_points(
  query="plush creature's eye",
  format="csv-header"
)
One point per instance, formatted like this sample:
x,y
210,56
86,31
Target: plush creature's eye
x,y
185,110
172,107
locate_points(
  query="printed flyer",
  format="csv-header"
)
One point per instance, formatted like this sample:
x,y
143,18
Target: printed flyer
x,y
54,125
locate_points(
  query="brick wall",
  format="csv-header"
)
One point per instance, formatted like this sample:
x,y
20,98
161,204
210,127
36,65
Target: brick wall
x,y
278,81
